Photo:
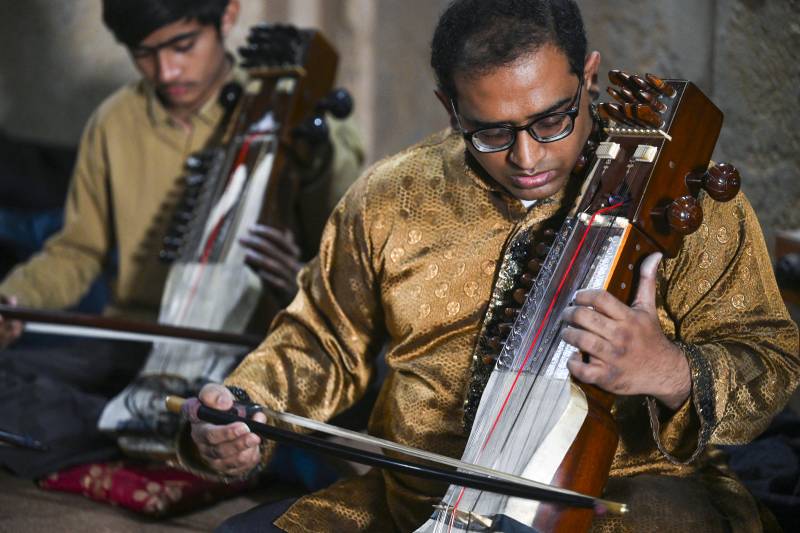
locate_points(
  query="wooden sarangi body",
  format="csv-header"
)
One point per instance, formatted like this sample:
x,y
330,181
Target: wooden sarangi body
x,y
533,419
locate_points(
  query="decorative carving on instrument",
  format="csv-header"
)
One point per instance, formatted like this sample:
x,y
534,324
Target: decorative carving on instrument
x,y
520,268
640,196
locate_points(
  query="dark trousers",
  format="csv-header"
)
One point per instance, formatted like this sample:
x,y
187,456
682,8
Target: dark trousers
x,y
258,519
54,390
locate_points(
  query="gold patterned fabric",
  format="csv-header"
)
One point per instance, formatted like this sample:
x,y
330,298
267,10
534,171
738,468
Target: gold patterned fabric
x,y
127,181
409,260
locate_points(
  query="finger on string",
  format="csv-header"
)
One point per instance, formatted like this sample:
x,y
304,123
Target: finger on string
x,y
279,263
275,281
256,244
646,293
601,301
272,268
282,238
587,318
589,343
591,372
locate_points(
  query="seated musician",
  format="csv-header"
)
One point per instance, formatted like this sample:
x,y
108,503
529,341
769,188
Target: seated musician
x,y
705,355
127,180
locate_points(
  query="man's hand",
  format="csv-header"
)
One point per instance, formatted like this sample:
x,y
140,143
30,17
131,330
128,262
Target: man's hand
x,y
623,348
232,450
275,257
10,330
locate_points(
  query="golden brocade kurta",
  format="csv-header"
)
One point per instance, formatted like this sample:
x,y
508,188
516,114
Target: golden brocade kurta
x,y
409,259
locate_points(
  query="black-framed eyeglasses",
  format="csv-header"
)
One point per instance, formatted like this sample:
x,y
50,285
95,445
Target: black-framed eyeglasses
x,y
545,129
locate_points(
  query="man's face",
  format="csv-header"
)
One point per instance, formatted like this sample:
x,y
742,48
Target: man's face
x,y
185,61
537,83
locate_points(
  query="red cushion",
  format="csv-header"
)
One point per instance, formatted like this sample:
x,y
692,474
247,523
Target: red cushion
x,y
151,489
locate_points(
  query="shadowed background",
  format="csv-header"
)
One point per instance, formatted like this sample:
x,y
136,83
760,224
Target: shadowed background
x,y
58,62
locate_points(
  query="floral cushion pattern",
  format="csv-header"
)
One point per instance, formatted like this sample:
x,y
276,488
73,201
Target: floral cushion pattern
x,y
150,489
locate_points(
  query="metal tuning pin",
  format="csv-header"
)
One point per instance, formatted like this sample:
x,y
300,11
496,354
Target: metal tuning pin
x,y
683,215
721,181
660,85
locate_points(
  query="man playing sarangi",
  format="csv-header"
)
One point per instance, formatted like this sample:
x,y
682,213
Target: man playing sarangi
x,y
409,260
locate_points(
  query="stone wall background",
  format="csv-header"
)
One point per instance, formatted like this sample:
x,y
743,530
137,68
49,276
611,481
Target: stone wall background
x,y
58,62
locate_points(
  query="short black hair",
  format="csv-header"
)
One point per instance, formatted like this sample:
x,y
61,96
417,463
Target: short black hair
x,y
132,20
478,36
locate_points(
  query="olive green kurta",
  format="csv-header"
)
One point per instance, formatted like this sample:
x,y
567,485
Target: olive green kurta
x,y
126,184
409,259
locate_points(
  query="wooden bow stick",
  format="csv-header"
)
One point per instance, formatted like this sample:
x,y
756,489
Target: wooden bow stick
x,y
439,467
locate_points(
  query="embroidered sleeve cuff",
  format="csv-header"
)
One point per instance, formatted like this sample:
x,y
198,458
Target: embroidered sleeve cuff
x,y
683,436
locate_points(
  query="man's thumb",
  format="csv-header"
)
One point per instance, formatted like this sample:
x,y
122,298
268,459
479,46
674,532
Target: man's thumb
x,y
646,293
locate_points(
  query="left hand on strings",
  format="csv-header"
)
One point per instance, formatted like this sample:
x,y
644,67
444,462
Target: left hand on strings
x,y
622,349
275,256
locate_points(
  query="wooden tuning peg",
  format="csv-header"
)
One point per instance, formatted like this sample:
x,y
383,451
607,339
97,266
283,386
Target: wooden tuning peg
x,y
618,77
526,280
660,85
637,83
534,266
580,164
541,249
519,295
615,112
644,114
549,235
647,97
493,343
683,215
722,182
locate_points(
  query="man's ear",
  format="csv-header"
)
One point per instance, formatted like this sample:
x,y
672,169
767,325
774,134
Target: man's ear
x,y
446,103
590,70
229,17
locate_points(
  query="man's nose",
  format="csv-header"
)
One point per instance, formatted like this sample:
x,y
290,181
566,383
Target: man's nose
x,y
168,67
527,152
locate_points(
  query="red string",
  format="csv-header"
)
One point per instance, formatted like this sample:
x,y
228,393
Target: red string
x,y
538,333
212,237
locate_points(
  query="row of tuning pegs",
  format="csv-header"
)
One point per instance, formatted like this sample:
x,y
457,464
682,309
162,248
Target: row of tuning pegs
x,y
197,166
498,332
639,101
314,129
684,215
272,45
